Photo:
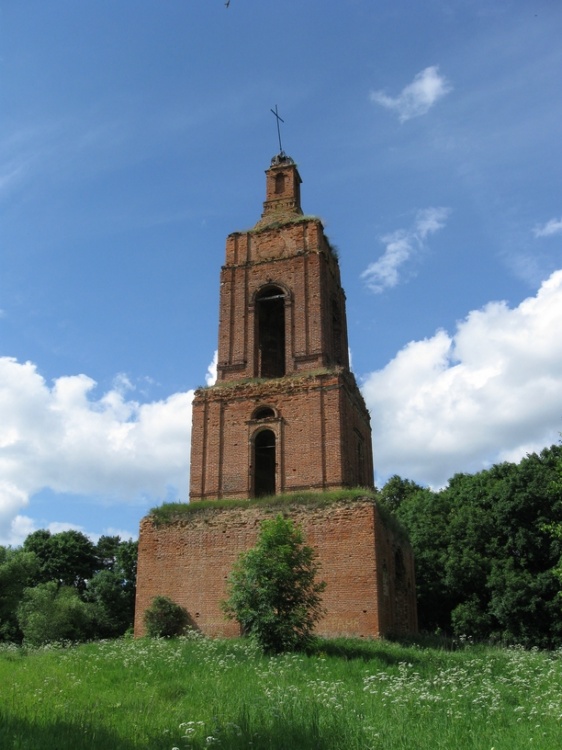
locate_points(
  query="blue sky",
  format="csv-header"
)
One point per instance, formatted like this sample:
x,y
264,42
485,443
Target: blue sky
x,y
134,139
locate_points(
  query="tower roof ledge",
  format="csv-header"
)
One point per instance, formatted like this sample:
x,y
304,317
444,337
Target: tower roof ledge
x,y
281,160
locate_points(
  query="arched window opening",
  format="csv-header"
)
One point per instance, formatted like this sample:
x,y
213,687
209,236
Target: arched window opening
x,y
279,183
271,333
264,463
263,412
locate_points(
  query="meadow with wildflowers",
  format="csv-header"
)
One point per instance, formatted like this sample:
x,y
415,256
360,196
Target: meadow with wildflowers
x,y
193,692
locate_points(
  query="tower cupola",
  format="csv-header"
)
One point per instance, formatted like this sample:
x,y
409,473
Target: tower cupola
x,y
282,192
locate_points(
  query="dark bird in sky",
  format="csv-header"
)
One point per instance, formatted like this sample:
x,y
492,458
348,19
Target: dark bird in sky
x,y
227,4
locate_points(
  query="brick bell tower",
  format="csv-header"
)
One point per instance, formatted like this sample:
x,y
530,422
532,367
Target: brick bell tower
x,y
285,413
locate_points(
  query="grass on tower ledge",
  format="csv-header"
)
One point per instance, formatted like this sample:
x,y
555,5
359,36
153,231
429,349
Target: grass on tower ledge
x,y
171,512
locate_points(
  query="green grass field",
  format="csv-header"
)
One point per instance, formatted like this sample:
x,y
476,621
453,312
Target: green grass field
x,y
354,695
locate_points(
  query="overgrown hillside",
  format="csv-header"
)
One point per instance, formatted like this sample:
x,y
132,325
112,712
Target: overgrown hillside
x,y
347,695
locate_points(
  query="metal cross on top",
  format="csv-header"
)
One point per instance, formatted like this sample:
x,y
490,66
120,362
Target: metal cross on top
x,y
278,130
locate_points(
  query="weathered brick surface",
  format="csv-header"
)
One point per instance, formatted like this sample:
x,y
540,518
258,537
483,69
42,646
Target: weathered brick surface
x,y
319,422
303,404
321,425
298,259
366,595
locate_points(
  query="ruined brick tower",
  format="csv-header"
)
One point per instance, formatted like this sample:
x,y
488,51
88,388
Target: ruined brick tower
x,y
286,413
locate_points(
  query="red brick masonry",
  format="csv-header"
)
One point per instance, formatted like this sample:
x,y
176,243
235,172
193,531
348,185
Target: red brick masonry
x,y
319,421
368,570
285,415
317,414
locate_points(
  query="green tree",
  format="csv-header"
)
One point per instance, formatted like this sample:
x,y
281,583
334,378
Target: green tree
x,y
19,570
106,551
397,491
500,554
126,563
49,612
165,619
272,590
114,610
486,557
68,557
425,516
555,528
103,578
113,587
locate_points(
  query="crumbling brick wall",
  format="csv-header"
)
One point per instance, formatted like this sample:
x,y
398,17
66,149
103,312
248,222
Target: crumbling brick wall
x,y
366,595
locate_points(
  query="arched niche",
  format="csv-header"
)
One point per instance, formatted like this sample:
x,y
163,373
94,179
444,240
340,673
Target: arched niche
x,y
270,330
264,463
279,183
263,412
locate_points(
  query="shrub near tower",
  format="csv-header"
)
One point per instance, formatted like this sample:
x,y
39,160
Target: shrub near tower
x,y
272,590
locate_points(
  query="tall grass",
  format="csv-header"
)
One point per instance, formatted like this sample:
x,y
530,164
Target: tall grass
x,y
195,693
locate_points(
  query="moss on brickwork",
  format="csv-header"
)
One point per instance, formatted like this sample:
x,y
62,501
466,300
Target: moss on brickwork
x,y
168,513
283,221
277,383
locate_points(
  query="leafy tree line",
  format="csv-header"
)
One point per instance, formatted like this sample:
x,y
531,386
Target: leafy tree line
x,y
63,586
488,550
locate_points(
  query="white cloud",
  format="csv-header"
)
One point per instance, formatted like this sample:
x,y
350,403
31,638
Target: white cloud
x,y
64,438
124,534
400,246
211,375
490,392
554,226
20,527
417,97
57,526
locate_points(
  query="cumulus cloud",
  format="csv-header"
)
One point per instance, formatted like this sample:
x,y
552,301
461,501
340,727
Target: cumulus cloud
x,y
490,392
554,226
400,246
19,528
65,438
417,97
211,375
